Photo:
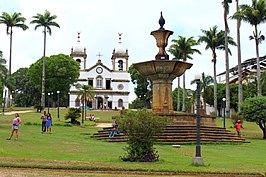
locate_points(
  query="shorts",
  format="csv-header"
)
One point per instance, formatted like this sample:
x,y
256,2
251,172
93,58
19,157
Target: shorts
x,y
15,127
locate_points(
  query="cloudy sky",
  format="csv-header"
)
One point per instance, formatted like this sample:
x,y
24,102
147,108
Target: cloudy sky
x,y
100,21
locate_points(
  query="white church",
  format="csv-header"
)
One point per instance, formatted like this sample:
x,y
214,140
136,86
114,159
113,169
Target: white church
x,y
110,85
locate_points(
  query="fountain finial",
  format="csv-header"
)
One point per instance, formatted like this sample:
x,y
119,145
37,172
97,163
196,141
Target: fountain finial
x,y
161,21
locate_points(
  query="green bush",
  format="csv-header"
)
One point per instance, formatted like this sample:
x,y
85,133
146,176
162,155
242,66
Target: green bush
x,y
254,109
73,114
140,127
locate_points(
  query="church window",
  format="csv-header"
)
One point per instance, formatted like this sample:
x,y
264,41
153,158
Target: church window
x,y
108,84
120,103
90,82
120,86
120,65
78,60
77,102
99,80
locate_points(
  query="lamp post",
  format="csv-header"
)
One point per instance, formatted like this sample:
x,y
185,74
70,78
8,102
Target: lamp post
x,y
198,160
224,99
4,103
83,108
48,104
58,116
68,99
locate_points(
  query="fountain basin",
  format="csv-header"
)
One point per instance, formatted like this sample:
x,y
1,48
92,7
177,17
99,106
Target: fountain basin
x,y
162,73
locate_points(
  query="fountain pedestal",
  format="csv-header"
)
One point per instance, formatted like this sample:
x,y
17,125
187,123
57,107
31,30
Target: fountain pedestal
x,y
162,73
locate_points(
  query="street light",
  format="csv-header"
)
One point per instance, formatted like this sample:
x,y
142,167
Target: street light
x,y
58,116
224,99
3,111
48,101
83,108
198,160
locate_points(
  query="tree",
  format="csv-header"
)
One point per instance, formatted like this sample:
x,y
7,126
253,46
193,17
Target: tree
x,y
25,94
143,90
182,47
140,127
204,83
73,114
263,83
240,85
254,109
46,21
62,71
215,41
12,20
226,31
86,94
254,14
3,72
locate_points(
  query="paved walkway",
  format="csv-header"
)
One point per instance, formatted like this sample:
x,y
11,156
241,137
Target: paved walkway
x,y
104,125
13,112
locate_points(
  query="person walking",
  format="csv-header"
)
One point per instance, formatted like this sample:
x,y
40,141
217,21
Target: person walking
x,y
15,126
49,123
238,127
44,120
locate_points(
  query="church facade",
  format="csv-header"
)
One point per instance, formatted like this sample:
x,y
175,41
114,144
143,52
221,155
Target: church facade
x,y
110,85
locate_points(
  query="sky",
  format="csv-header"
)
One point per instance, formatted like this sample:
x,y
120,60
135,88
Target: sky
x,y
100,22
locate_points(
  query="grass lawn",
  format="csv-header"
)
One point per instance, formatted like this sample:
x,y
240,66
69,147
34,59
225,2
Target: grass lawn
x,y
72,148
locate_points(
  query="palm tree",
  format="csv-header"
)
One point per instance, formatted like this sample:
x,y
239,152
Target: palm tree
x,y
86,93
12,20
254,15
45,20
215,41
226,11
240,86
204,83
182,47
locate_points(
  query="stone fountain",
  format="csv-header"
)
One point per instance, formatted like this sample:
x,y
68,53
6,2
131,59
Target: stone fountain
x,y
162,72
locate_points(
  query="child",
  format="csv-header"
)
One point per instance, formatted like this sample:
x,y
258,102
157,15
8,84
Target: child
x,y
114,131
92,118
238,127
49,123
15,125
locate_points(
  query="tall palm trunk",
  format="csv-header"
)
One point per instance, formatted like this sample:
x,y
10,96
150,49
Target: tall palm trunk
x,y
43,70
258,67
9,68
178,94
240,86
226,64
184,93
215,84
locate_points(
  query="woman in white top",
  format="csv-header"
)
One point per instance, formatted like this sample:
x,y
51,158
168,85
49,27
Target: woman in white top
x,y
15,125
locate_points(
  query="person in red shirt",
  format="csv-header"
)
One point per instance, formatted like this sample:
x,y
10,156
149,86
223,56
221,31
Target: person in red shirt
x,y
238,127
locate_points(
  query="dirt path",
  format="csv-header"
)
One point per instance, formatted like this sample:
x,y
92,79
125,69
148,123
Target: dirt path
x,y
13,112
103,125
35,172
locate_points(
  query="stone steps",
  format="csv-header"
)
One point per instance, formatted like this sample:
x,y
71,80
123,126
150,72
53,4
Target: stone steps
x,y
180,134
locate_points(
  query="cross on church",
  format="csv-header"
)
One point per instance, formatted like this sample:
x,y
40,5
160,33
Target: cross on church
x,y
99,55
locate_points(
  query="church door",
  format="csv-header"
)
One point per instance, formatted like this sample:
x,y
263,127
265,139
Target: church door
x,y
100,103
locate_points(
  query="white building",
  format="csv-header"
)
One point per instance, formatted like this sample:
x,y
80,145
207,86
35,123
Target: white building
x,y
110,85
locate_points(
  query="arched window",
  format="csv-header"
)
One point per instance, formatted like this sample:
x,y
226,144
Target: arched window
x,y
120,103
77,102
79,62
99,82
120,65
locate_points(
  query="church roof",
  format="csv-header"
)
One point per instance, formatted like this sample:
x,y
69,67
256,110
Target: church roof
x,y
99,63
